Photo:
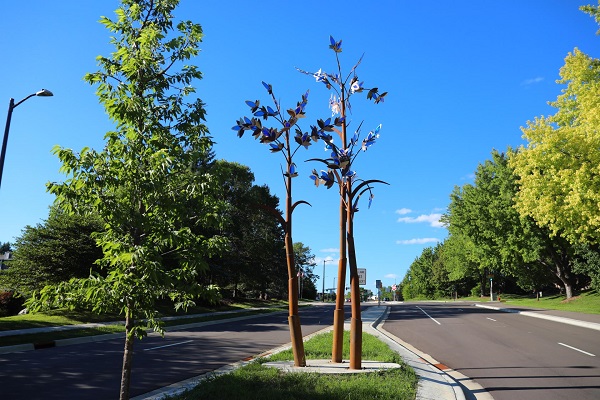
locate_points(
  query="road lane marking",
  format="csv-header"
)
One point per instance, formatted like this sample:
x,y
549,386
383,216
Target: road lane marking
x,y
433,319
492,319
576,349
168,345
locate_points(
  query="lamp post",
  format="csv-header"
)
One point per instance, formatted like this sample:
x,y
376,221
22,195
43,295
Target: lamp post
x,y
11,106
323,292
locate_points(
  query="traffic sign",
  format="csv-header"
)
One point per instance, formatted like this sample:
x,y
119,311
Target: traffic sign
x,y
362,276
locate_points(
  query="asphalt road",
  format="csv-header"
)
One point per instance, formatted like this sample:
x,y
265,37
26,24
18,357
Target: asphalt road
x,y
512,356
93,370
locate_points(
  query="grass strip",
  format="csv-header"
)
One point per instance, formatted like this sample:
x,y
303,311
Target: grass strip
x,y
257,382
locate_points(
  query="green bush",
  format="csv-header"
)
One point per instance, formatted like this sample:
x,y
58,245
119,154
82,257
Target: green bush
x,y
476,291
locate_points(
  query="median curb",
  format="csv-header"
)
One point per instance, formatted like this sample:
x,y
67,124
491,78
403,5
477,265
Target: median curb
x,y
434,383
563,320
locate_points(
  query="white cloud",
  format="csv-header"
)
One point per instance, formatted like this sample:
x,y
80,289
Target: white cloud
x,y
403,211
331,250
391,276
432,219
532,81
418,241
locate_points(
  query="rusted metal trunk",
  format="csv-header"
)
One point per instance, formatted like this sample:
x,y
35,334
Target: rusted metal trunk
x,y
338,313
355,322
293,318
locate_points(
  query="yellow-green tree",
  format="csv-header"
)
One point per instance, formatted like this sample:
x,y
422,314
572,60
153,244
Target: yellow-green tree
x,y
559,169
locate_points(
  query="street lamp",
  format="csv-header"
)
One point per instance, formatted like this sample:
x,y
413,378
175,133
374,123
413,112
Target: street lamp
x,y
323,293
11,106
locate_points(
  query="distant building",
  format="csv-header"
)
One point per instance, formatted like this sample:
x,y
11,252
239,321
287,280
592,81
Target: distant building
x,y
5,257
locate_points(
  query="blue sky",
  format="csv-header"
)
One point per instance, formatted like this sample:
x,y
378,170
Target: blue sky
x,y
462,77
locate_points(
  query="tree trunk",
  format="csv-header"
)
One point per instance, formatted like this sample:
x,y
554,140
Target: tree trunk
x,y
127,355
561,265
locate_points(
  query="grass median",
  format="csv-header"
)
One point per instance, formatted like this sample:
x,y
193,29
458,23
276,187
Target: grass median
x,y
258,382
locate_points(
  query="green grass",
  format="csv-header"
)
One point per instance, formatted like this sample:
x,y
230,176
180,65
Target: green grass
x,y
257,382
319,347
586,302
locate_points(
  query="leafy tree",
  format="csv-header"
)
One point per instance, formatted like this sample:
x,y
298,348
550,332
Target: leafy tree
x,y
587,262
305,264
558,169
504,241
254,262
141,183
418,283
4,247
54,251
459,257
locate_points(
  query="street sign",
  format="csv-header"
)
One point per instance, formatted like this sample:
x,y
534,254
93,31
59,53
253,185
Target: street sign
x,y
394,287
362,276
378,284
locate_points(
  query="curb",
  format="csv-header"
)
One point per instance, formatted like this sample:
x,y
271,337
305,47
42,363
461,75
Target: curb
x,y
434,382
563,320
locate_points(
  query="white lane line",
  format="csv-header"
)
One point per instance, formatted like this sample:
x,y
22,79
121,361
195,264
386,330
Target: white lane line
x,y
576,349
168,345
433,319
492,319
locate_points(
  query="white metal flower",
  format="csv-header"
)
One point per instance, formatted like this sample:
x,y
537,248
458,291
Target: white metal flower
x,y
334,105
356,87
319,76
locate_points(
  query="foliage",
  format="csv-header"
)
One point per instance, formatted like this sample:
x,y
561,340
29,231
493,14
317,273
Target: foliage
x,y
305,264
141,183
4,247
54,251
506,243
254,262
587,263
418,283
558,169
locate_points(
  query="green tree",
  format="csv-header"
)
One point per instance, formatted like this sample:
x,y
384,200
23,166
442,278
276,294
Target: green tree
x,y
558,169
305,264
506,242
4,247
418,282
141,183
254,263
458,256
54,251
